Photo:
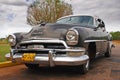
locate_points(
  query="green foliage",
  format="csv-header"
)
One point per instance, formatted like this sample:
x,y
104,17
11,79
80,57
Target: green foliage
x,y
115,35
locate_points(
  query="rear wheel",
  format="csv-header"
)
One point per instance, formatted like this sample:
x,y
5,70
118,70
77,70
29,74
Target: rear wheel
x,y
92,51
32,66
108,53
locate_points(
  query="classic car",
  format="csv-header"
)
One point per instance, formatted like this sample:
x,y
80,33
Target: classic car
x,y
73,40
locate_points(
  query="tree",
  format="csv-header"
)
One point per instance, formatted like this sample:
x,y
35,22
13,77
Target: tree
x,y
115,35
47,10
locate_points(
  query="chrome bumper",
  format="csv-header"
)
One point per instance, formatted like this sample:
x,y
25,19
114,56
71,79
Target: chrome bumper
x,y
51,59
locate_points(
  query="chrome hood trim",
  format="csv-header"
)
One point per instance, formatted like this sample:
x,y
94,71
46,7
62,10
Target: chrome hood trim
x,y
45,41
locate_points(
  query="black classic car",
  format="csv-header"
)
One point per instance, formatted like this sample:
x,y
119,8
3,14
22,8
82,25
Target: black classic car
x,y
73,40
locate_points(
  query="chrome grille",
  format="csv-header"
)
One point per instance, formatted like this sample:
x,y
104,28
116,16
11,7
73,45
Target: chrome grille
x,y
43,45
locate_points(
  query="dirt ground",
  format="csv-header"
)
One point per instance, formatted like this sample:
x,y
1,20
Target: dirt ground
x,y
101,69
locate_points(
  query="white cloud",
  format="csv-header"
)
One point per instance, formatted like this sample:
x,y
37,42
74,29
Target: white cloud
x,y
9,30
13,17
14,2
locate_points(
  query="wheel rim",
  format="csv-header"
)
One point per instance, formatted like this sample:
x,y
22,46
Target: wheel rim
x,y
87,65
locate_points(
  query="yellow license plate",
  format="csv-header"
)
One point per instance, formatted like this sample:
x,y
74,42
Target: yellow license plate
x,y
28,56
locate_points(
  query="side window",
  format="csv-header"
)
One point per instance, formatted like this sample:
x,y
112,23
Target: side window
x,y
64,20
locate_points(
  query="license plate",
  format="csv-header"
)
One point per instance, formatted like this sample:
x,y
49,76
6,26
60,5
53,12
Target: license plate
x,y
28,56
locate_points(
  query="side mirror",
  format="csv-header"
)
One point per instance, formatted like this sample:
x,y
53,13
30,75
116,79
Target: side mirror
x,y
101,25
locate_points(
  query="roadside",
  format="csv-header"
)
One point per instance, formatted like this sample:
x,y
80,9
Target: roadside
x,y
4,49
8,64
116,42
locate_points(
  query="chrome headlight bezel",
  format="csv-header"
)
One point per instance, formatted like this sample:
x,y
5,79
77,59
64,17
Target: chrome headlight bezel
x,y
72,37
12,39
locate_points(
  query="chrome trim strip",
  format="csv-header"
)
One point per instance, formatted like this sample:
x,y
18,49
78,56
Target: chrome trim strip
x,y
61,50
45,41
94,41
35,38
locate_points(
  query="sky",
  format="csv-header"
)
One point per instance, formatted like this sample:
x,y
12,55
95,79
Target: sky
x,y
13,14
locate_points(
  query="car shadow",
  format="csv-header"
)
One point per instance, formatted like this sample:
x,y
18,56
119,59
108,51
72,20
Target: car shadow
x,y
62,70
58,70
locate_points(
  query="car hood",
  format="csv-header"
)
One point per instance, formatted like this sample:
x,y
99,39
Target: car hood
x,y
49,31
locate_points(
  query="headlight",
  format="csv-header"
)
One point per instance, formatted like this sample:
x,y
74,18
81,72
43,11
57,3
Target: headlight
x,y
72,37
12,40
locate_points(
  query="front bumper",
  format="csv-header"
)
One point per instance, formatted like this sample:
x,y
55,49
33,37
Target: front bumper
x,y
51,59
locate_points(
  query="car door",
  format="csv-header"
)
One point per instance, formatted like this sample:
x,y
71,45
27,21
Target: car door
x,y
103,38
98,40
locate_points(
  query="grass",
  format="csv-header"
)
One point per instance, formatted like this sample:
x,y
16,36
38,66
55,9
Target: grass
x,y
4,49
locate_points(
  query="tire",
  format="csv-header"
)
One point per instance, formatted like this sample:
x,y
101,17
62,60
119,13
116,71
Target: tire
x,y
92,51
32,66
84,68
108,53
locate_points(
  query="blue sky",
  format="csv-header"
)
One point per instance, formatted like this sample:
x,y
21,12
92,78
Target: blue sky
x,y
13,13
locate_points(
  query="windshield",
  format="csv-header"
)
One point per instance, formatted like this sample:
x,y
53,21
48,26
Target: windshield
x,y
82,20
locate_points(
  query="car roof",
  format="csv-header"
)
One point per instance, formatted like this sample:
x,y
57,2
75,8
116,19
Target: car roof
x,y
78,15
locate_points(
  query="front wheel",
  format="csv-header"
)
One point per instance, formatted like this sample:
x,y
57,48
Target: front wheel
x,y
32,66
85,67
